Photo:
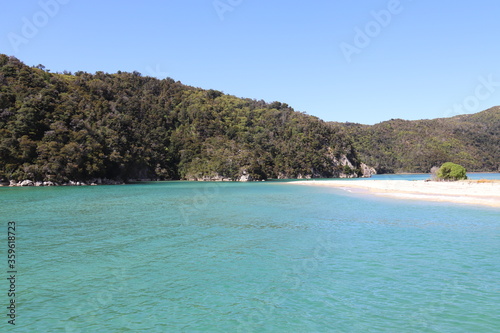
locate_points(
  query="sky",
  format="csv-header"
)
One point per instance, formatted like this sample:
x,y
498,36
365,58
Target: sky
x,y
347,61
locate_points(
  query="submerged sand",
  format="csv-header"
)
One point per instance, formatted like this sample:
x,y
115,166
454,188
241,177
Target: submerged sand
x,y
466,192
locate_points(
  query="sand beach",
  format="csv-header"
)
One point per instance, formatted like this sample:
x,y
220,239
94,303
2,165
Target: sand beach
x,y
476,192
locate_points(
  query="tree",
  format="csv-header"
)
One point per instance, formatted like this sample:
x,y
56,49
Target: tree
x,y
450,171
80,127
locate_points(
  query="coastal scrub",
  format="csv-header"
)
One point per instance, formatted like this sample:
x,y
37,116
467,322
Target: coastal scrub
x,y
450,172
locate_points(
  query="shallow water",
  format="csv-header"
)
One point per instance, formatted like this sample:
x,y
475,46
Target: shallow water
x,y
423,176
249,257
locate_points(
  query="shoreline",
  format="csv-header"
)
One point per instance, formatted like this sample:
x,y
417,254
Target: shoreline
x,y
462,192
30,183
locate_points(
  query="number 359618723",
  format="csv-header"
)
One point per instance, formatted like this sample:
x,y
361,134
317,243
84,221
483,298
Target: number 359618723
x,y
11,237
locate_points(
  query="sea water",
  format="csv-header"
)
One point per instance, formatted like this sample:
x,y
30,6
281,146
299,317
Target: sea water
x,y
247,257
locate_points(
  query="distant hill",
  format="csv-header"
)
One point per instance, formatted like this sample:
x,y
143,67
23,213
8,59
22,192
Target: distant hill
x,y
62,126
415,146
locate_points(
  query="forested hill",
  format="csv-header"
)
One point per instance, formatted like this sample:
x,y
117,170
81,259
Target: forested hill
x,y
62,127
415,146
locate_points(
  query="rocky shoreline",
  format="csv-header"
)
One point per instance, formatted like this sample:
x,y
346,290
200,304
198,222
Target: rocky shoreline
x,y
93,182
366,172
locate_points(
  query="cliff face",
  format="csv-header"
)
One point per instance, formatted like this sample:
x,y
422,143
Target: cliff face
x,y
63,127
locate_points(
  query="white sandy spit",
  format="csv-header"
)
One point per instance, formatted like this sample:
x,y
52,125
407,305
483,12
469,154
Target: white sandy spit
x,y
466,192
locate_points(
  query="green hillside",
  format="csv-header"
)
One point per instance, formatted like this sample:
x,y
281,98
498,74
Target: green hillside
x,y
62,127
415,146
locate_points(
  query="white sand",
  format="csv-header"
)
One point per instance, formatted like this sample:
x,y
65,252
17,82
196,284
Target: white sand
x,y
467,192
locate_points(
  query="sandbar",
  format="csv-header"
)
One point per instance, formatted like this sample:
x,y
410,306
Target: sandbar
x,y
485,192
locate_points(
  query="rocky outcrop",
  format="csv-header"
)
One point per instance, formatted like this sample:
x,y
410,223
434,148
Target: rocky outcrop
x,y
208,178
367,171
344,161
346,167
26,182
97,181
245,177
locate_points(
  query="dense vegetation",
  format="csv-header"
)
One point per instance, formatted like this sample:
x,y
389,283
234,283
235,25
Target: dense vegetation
x,y
416,146
61,127
451,171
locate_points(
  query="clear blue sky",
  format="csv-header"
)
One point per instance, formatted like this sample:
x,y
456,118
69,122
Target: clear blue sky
x,y
426,59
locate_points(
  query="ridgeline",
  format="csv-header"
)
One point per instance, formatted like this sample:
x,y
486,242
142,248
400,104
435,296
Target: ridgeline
x,y
62,127
397,145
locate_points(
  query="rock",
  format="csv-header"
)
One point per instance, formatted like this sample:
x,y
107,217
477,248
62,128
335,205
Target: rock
x,y
26,182
212,178
347,175
367,171
38,183
345,161
13,183
49,183
245,178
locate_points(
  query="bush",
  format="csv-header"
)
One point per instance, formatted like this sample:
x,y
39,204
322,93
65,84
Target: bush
x,y
451,171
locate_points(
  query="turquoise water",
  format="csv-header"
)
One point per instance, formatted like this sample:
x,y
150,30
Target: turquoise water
x,y
248,257
422,176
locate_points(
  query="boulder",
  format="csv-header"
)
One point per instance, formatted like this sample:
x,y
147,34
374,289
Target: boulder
x,y
245,178
367,171
26,182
